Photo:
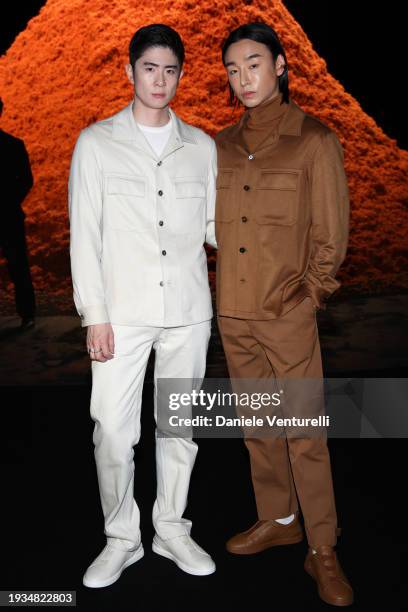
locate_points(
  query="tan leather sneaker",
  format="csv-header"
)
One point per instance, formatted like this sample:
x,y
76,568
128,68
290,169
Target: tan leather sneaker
x,y
324,567
263,535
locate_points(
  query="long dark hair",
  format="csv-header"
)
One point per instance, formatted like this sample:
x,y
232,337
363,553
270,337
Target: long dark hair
x,y
262,33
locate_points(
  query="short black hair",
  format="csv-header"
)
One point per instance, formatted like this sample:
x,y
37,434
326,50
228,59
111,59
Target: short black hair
x,y
155,35
262,33
1,106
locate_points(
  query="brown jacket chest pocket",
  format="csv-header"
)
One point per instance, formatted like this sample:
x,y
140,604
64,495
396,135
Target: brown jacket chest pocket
x,y
224,207
277,196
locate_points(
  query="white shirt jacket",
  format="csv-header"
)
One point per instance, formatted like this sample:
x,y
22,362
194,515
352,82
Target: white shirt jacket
x,y
138,224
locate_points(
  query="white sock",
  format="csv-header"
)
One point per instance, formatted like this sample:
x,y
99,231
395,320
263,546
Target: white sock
x,y
286,520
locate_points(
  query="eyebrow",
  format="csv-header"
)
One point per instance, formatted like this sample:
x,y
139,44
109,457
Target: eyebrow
x,y
157,65
252,56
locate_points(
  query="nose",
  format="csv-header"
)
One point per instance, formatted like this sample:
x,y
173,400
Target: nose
x,y
160,81
244,77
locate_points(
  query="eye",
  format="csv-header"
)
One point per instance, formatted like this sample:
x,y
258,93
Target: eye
x,y
254,65
232,72
171,71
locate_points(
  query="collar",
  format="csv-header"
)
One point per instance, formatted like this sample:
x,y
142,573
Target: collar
x,y
291,124
125,128
261,116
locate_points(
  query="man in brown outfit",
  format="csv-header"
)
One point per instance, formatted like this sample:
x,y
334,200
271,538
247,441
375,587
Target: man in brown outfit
x,y
282,229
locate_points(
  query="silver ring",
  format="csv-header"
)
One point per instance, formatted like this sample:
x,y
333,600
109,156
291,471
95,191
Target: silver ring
x,y
91,350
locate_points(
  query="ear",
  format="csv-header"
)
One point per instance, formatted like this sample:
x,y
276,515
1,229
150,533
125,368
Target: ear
x,y
280,65
129,73
181,75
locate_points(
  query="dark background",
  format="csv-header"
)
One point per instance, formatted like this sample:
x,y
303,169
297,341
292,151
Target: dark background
x,y
362,43
50,514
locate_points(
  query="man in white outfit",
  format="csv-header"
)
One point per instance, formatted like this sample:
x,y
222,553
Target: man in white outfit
x,y
141,206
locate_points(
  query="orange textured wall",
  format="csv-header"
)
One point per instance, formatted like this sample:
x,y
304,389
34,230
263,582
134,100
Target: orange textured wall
x,y
66,71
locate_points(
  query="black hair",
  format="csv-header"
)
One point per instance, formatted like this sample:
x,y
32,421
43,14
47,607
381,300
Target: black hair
x,y
262,33
1,106
155,35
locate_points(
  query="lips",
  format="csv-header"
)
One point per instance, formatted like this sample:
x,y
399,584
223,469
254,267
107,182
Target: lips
x,y
155,95
247,94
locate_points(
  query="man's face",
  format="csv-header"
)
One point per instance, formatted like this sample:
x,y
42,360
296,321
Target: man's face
x,y
156,76
252,72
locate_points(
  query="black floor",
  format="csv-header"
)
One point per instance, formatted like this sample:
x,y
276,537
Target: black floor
x,y
52,521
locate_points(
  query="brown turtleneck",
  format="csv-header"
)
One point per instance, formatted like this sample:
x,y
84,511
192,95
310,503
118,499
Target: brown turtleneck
x,y
261,122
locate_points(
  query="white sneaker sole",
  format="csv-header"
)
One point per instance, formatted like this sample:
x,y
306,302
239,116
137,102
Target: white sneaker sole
x,y
96,584
186,568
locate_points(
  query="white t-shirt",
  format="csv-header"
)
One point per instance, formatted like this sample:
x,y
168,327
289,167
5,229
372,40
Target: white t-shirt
x,y
157,137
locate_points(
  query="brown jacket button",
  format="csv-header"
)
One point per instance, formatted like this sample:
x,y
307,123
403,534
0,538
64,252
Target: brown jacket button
x,y
247,187
242,250
244,219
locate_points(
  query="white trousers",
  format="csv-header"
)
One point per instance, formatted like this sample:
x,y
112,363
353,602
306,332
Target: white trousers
x,y
115,407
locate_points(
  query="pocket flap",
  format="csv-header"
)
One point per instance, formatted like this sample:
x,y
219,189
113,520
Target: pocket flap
x,y
224,179
126,185
286,180
190,188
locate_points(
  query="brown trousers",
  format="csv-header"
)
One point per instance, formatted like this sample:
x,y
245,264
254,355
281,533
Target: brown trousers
x,y
285,469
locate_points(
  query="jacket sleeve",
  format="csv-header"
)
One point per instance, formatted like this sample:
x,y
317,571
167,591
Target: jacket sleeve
x,y
211,195
85,216
330,219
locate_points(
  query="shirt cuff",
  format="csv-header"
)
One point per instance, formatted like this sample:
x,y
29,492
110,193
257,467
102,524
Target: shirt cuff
x,y
92,315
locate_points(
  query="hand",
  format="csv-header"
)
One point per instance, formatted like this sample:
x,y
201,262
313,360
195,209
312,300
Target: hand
x,y
308,297
100,337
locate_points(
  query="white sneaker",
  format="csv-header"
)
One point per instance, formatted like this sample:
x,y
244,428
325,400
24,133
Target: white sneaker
x,y
185,553
109,565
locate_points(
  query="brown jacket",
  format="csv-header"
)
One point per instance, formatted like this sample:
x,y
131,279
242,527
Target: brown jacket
x,y
282,215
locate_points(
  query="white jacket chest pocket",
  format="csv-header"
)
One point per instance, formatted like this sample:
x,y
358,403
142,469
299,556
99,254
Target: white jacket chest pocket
x,y
190,201
126,207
